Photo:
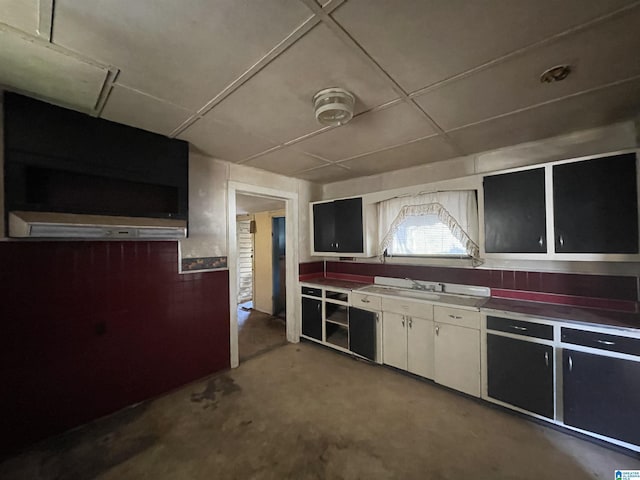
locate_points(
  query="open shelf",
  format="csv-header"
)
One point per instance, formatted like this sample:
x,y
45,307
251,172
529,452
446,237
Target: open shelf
x,y
337,335
337,296
339,317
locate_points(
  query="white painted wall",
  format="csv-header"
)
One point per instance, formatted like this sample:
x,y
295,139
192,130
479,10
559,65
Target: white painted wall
x,y
208,223
467,172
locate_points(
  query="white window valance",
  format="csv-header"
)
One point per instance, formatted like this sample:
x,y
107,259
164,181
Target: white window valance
x,y
458,210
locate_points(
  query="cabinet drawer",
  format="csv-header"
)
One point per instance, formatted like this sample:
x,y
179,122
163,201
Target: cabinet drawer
x,y
415,309
602,341
457,316
362,300
313,292
526,329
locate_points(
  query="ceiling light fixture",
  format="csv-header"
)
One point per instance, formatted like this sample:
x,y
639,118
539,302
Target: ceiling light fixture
x,y
333,106
555,74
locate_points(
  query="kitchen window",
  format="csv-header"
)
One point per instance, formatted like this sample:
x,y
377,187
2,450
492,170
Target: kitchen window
x,y
440,224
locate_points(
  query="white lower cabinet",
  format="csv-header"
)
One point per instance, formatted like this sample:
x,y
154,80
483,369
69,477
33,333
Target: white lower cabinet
x,y
457,349
408,343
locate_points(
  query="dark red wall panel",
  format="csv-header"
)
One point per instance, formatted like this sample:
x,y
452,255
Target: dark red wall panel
x,y
87,328
597,286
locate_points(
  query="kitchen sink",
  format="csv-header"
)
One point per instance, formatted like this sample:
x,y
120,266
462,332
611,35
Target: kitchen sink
x,y
448,298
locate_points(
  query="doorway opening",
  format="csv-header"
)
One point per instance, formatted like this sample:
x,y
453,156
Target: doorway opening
x,y
261,274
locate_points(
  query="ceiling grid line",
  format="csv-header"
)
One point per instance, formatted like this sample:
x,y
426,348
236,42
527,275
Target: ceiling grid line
x,y
276,51
346,38
526,49
549,102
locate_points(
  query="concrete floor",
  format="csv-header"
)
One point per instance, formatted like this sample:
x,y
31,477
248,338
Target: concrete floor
x,y
258,332
304,412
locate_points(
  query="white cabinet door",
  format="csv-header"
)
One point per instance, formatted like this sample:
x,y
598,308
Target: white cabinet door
x,y
457,358
420,354
394,340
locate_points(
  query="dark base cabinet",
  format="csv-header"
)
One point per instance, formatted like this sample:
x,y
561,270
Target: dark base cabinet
x,y
521,373
362,332
602,395
312,318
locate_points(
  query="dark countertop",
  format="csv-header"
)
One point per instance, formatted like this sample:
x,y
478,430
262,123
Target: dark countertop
x,y
609,318
336,283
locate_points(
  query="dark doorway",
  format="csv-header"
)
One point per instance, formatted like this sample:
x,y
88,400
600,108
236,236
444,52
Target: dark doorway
x,y
279,272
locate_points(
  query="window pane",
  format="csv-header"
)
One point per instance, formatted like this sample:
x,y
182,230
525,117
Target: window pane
x,y
425,235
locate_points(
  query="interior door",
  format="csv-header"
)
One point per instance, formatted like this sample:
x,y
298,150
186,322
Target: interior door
x,y
394,340
420,353
278,266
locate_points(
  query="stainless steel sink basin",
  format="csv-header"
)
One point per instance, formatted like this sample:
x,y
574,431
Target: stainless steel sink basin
x,y
402,292
448,298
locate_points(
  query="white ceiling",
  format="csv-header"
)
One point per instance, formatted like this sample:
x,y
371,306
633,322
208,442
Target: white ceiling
x,y
433,80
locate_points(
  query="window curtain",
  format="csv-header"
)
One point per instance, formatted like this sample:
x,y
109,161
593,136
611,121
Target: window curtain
x,y
456,209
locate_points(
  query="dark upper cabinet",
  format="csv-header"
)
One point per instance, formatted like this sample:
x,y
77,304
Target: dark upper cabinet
x,y
362,332
595,205
514,212
521,373
601,394
338,226
61,160
312,318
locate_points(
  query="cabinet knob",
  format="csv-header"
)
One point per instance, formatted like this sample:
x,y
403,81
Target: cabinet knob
x,y
570,363
437,330
540,241
546,358
337,245
410,322
561,240
403,320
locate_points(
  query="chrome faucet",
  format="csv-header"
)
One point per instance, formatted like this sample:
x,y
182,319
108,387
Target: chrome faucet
x,y
420,286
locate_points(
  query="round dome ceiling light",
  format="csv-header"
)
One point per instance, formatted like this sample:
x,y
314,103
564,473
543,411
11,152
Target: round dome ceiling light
x,y
555,74
333,106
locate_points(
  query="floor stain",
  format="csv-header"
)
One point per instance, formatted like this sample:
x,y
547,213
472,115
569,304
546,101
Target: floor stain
x,y
216,388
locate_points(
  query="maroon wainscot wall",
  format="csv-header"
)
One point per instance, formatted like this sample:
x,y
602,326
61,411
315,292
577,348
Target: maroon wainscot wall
x,y
87,328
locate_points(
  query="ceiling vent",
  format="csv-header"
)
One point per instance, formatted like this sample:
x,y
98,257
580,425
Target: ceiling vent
x,y
333,106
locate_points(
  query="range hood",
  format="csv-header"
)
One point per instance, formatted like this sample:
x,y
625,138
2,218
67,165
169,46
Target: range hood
x,y
96,227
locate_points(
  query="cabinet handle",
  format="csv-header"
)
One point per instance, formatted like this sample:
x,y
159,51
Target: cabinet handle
x,y
437,330
561,241
456,317
570,363
606,342
365,300
337,245
318,306
377,318
524,329
410,322
540,241
403,320
546,358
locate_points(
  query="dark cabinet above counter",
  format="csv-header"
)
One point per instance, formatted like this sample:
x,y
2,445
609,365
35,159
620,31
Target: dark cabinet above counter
x,y
569,210
344,227
58,160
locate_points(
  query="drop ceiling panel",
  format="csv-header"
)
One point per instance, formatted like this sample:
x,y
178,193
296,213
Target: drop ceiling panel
x,y
32,66
420,43
285,161
143,111
276,103
515,84
583,111
328,174
224,141
369,132
429,150
185,53
21,14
